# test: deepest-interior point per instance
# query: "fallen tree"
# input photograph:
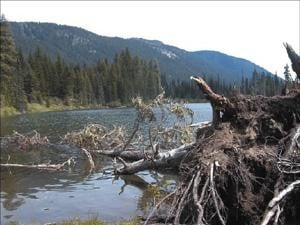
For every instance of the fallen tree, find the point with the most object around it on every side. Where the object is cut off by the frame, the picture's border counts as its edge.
(244, 160)
(243, 168)
(234, 167)
(237, 164)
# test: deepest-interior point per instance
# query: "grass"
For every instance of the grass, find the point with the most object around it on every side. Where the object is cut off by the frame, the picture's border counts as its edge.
(92, 221)
(35, 107)
(8, 111)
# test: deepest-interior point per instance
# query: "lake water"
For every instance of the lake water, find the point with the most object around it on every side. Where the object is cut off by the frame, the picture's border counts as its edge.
(32, 196)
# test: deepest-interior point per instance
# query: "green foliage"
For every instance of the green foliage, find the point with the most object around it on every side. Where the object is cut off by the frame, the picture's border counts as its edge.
(38, 79)
(10, 74)
(260, 83)
(8, 111)
(287, 75)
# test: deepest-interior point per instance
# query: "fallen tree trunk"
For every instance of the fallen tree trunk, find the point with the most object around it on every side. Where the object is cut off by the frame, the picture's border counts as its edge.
(162, 160)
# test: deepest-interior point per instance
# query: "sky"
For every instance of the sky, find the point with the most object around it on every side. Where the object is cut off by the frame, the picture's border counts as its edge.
(254, 30)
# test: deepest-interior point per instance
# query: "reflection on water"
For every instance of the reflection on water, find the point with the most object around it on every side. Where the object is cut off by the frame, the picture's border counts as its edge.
(40, 196)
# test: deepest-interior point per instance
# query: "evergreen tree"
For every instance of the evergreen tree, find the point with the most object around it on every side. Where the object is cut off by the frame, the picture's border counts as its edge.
(8, 64)
(287, 75)
(21, 78)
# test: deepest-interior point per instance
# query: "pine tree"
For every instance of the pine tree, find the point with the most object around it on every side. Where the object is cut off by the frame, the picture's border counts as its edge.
(8, 64)
(22, 78)
(287, 75)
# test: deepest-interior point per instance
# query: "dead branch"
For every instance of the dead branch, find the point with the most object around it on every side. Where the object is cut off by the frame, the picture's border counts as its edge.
(28, 141)
(294, 57)
(201, 124)
(90, 159)
(272, 206)
(211, 96)
(43, 166)
(96, 136)
(136, 128)
(220, 104)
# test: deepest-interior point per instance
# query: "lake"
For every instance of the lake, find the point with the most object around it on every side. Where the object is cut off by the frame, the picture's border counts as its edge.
(32, 196)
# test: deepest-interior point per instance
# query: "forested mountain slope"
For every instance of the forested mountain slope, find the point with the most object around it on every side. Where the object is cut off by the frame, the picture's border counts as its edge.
(77, 45)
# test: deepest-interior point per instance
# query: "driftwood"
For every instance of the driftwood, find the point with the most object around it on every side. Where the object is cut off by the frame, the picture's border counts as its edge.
(43, 166)
(163, 160)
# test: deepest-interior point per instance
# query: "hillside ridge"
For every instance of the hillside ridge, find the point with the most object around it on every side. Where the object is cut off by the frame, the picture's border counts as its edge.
(78, 45)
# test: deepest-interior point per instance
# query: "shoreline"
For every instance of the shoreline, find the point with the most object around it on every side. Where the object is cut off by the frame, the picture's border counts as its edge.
(9, 111)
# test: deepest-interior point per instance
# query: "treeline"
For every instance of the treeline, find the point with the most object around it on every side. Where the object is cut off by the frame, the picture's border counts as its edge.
(105, 82)
(40, 79)
(258, 84)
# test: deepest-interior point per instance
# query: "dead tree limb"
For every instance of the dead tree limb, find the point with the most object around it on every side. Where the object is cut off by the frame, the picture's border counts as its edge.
(294, 57)
(220, 104)
(210, 95)
(90, 159)
(43, 166)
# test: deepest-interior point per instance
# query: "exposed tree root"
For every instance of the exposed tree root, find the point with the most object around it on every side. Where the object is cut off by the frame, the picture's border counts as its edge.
(273, 206)
(255, 145)
(240, 162)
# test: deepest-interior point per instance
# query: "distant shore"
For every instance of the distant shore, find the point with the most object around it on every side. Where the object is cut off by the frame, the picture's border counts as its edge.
(36, 107)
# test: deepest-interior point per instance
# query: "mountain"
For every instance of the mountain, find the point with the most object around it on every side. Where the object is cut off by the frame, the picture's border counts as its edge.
(77, 45)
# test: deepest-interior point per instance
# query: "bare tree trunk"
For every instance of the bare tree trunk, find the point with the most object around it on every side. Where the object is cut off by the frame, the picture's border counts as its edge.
(163, 160)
